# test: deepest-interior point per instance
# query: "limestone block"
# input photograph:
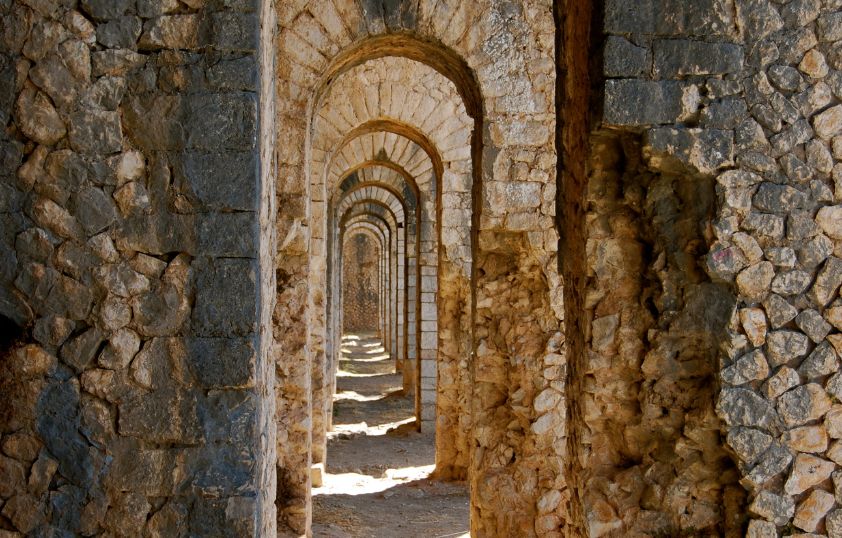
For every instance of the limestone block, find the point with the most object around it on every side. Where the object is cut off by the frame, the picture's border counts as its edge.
(748, 443)
(679, 57)
(638, 102)
(742, 407)
(704, 150)
(812, 509)
(225, 291)
(812, 439)
(171, 32)
(750, 367)
(121, 32)
(38, 118)
(783, 380)
(624, 59)
(803, 404)
(753, 282)
(828, 123)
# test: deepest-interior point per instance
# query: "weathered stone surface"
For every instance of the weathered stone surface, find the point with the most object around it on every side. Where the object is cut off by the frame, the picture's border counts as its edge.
(780, 312)
(637, 102)
(783, 380)
(624, 59)
(94, 210)
(162, 416)
(784, 346)
(771, 463)
(96, 132)
(803, 404)
(119, 33)
(38, 118)
(808, 439)
(829, 218)
(171, 32)
(222, 362)
(750, 367)
(704, 150)
(754, 281)
(741, 407)
(775, 508)
(807, 471)
(791, 282)
(80, 351)
(812, 509)
(761, 529)
(748, 443)
(821, 362)
(828, 123)
(223, 301)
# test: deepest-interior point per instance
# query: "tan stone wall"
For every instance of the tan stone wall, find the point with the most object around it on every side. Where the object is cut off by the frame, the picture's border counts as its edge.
(361, 285)
(500, 60)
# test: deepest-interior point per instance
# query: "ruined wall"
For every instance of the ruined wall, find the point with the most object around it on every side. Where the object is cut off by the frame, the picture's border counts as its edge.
(361, 285)
(714, 133)
(136, 400)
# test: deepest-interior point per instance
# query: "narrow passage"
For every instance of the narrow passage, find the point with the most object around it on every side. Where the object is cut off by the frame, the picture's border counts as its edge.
(376, 483)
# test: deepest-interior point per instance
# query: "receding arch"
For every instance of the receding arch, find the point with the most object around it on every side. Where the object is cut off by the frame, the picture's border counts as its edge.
(434, 54)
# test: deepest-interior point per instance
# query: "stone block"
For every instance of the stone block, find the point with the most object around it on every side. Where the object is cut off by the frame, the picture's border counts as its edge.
(623, 58)
(119, 33)
(642, 102)
(680, 57)
(220, 181)
(226, 290)
(222, 362)
(171, 32)
(168, 415)
(669, 17)
(228, 234)
(96, 132)
(234, 74)
(222, 121)
(233, 31)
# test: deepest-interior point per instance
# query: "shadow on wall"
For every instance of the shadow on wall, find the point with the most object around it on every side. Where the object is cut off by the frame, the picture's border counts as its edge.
(655, 324)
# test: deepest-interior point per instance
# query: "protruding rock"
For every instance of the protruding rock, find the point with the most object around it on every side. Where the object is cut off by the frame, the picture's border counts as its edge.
(803, 404)
(812, 509)
(807, 471)
(775, 508)
(783, 380)
(38, 118)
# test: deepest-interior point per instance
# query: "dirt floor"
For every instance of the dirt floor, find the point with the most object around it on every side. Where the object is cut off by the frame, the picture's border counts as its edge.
(377, 464)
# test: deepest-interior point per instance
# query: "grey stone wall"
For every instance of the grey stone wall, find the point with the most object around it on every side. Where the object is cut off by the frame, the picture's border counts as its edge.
(129, 198)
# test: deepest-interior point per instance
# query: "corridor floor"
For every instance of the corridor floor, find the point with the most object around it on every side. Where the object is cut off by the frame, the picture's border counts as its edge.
(376, 481)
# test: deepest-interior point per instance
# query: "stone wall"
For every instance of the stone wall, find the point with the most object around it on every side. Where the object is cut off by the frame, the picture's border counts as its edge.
(499, 58)
(361, 285)
(130, 184)
(708, 221)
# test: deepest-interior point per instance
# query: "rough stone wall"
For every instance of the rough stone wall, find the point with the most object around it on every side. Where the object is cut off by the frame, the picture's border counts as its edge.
(651, 450)
(361, 284)
(137, 399)
(737, 100)
(499, 56)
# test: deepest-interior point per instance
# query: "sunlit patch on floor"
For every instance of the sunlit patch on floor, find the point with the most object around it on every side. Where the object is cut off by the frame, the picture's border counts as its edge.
(377, 478)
